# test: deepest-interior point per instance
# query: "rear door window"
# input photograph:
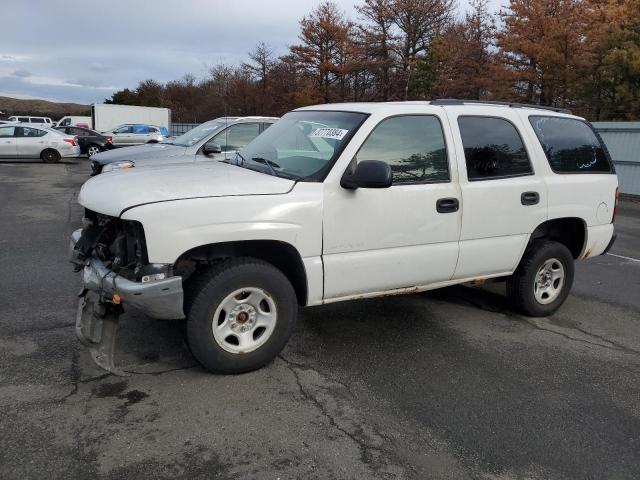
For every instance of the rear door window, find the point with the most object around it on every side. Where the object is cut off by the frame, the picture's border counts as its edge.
(493, 148)
(140, 129)
(30, 132)
(571, 146)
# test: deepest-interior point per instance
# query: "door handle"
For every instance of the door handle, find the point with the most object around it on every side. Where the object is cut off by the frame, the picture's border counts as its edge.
(447, 205)
(530, 198)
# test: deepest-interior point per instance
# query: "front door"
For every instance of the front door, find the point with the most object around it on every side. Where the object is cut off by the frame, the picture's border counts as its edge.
(8, 147)
(504, 200)
(122, 136)
(405, 236)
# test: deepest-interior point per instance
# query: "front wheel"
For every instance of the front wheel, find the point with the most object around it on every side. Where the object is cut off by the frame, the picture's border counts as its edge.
(543, 280)
(240, 315)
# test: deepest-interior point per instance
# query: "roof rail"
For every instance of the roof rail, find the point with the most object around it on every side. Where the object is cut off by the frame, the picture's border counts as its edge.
(456, 101)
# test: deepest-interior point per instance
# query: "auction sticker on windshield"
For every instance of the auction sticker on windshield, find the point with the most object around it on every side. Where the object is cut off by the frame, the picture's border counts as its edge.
(335, 133)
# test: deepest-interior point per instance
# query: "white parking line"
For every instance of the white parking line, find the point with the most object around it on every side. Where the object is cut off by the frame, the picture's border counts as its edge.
(623, 257)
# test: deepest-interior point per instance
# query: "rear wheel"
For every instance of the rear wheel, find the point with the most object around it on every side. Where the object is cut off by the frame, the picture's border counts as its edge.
(92, 150)
(543, 280)
(240, 315)
(50, 156)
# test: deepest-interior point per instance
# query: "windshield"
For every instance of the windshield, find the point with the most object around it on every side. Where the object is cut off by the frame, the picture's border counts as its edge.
(197, 134)
(302, 144)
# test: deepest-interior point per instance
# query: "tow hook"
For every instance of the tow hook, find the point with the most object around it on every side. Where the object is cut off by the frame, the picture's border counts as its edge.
(96, 327)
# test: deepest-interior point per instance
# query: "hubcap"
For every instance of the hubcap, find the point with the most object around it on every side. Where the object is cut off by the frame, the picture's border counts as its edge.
(549, 281)
(92, 151)
(244, 320)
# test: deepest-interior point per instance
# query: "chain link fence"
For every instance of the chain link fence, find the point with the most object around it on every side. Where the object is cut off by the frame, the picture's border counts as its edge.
(180, 128)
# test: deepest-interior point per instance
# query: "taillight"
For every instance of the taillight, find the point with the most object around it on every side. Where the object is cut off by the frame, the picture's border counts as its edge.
(109, 139)
(615, 206)
(72, 141)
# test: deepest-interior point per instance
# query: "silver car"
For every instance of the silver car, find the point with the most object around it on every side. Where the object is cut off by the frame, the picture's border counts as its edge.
(22, 141)
(217, 139)
(136, 134)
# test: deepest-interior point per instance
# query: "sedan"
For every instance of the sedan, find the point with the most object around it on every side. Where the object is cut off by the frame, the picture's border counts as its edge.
(90, 141)
(20, 141)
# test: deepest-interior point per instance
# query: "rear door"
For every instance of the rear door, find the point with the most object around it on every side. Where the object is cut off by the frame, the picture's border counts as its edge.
(8, 147)
(80, 134)
(30, 141)
(503, 199)
(139, 135)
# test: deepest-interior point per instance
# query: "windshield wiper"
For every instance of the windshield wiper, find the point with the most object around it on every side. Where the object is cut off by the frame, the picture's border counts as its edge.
(240, 164)
(268, 163)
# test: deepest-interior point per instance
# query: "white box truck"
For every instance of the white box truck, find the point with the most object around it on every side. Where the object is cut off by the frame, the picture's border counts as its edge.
(105, 116)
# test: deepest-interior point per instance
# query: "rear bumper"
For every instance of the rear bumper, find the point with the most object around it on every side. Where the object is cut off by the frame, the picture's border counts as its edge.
(74, 152)
(162, 299)
(611, 242)
(600, 238)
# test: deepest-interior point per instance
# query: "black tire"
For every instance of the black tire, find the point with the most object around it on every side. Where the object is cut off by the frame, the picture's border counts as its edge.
(50, 156)
(521, 286)
(207, 292)
(93, 149)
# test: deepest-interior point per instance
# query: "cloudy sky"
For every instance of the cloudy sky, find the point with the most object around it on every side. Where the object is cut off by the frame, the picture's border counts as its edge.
(81, 51)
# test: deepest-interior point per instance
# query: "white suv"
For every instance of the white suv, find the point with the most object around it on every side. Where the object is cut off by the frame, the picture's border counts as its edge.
(340, 202)
(35, 121)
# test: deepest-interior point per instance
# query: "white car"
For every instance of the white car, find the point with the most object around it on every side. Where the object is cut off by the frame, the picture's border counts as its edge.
(35, 121)
(24, 141)
(342, 202)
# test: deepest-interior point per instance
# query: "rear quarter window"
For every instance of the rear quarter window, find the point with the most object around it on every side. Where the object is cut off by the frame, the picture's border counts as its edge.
(571, 145)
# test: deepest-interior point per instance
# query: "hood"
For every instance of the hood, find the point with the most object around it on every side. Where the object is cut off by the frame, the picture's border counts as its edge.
(111, 193)
(139, 152)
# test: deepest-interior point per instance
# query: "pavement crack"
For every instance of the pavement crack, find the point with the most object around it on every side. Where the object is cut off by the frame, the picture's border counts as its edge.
(365, 448)
(603, 343)
(537, 324)
(162, 372)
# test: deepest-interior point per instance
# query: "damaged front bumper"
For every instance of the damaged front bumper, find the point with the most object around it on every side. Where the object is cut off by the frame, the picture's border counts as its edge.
(162, 299)
(105, 294)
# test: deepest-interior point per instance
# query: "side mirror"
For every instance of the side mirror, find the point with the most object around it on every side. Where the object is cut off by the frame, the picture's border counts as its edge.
(368, 174)
(211, 148)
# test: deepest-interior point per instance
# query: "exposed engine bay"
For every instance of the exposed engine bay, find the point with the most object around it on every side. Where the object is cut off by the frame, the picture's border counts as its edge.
(120, 244)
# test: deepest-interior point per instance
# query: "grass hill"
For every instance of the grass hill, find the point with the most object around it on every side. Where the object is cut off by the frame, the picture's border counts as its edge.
(16, 106)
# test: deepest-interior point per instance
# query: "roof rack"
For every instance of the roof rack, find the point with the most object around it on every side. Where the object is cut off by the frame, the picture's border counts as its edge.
(456, 101)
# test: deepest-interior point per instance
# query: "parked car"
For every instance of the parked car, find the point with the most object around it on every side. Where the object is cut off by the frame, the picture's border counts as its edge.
(106, 116)
(136, 134)
(22, 141)
(35, 121)
(71, 121)
(90, 141)
(217, 139)
(385, 198)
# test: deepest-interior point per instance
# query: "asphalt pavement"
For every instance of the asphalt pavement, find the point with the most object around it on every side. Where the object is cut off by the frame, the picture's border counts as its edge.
(449, 384)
